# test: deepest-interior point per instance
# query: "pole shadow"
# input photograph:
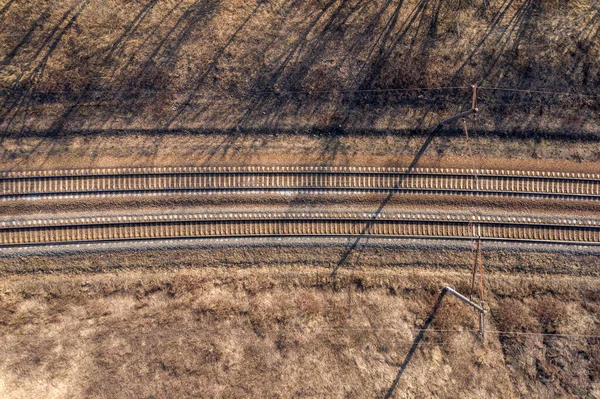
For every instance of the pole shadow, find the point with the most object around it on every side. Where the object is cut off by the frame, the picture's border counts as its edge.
(415, 345)
(365, 231)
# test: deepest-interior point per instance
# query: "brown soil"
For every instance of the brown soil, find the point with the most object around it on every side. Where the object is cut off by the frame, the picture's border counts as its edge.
(264, 149)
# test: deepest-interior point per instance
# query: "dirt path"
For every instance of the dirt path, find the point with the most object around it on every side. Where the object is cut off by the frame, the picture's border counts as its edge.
(296, 149)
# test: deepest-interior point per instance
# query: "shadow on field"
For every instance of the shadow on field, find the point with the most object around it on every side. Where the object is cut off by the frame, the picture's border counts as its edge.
(415, 345)
(131, 73)
(39, 60)
(502, 32)
(329, 64)
(301, 79)
(135, 72)
(5, 8)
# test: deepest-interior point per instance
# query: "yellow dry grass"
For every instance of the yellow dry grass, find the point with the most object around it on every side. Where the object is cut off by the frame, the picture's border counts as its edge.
(292, 332)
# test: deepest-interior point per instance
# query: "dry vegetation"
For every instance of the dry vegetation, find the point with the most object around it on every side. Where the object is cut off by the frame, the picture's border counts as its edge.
(119, 149)
(367, 255)
(293, 332)
(171, 82)
(85, 66)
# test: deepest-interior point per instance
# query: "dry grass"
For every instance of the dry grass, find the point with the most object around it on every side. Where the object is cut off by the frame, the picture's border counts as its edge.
(139, 148)
(209, 64)
(272, 323)
(287, 332)
(321, 257)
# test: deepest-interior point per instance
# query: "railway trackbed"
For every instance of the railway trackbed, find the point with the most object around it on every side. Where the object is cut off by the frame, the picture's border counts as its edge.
(83, 183)
(307, 224)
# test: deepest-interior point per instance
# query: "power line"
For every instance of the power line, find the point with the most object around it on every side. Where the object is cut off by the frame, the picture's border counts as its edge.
(419, 330)
(501, 332)
(528, 91)
(7, 91)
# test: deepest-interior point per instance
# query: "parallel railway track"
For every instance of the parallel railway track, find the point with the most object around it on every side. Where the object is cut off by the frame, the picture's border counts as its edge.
(197, 180)
(241, 225)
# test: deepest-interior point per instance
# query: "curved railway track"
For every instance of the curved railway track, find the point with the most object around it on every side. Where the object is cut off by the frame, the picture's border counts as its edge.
(198, 180)
(227, 225)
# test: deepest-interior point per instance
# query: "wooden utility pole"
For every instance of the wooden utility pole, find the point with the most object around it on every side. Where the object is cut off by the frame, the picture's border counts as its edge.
(475, 262)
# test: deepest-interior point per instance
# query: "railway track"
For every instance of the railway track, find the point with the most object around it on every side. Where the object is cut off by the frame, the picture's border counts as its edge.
(226, 225)
(209, 180)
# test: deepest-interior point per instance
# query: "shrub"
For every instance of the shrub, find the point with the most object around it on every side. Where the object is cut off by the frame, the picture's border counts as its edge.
(550, 313)
(513, 315)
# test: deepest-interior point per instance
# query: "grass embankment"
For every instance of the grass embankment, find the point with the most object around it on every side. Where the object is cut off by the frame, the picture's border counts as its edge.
(324, 256)
(293, 332)
(88, 66)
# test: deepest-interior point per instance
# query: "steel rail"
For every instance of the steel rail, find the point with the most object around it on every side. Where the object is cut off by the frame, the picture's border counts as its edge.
(244, 225)
(152, 181)
(312, 190)
(286, 169)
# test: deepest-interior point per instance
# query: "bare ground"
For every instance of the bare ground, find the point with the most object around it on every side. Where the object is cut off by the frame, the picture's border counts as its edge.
(365, 254)
(129, 149)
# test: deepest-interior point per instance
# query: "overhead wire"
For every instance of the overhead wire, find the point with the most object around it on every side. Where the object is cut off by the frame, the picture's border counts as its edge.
(529, 91)
(274, 92)
(501, 332)
(7, 91)
(417, 330)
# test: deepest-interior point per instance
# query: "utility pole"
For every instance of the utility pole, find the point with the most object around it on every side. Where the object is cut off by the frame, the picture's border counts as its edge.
(480, 309)
(472, 111)
(478, 261)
